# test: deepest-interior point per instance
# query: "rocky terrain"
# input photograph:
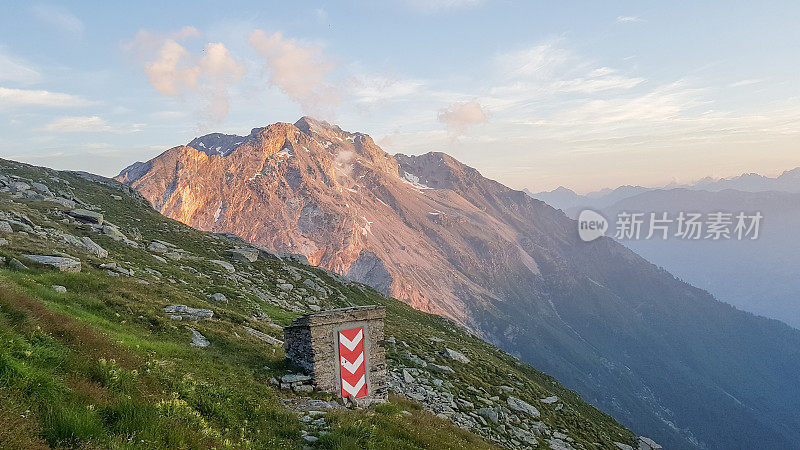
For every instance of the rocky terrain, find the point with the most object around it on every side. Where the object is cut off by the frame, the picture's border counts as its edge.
(659, 355)
(122, 328)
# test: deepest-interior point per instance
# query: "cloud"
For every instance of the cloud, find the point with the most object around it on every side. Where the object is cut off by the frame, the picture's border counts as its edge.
(26, 97)
(434, 6)
(547, 74)
(59, 18)
(88, 124)
(77, 124)
(175, 72)
(220, 70)
(537, 62)
(459, 117)
(380, 89)
(172, 72)
(300, 71)
(744, 83)
(628, 19)
(16, 70)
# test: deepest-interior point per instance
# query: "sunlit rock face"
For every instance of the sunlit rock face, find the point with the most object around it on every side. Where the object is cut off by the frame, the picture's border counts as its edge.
(419, 228)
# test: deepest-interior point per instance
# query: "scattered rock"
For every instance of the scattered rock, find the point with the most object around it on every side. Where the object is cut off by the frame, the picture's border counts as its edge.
(113, 232)
(295, 378)
(157, 247)
(93, 248)
(646, 443)
(59, 263)
(622, 446)
(522, 406)
(438, 368)
(247, 255)
(19, 186)
(218, 297)
(17, 265)
(225, 265)
(42, 189)
(455, 355)
(435, 339)
(86, 216)
(59, 289)
(264, 337)
(489, 414)
(183, 312)
(3, 242)
(286, 287)
(66, 203)
(198, 340)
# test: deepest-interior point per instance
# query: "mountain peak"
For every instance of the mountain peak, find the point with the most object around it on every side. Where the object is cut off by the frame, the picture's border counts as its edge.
(310, 125)
(218, 143)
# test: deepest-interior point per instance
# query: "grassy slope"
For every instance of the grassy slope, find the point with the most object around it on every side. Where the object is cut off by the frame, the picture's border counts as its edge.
(102, 366)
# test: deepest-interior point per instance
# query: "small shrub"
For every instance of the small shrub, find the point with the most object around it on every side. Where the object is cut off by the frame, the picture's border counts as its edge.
(70, 425)
(114, 377)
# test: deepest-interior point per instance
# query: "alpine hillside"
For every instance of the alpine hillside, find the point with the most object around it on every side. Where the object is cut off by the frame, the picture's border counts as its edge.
(664, 358)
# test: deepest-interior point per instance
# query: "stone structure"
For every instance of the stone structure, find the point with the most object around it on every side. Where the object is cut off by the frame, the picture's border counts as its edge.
(327, 344)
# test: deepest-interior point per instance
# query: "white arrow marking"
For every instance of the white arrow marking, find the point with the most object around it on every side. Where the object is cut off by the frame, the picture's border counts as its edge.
(351, 345)
(353, 390)
(353, 366)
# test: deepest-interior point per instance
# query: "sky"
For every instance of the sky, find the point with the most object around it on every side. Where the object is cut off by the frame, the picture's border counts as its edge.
(533, 94)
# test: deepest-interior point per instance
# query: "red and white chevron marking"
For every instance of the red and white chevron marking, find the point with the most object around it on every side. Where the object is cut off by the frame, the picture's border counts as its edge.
(351, 359)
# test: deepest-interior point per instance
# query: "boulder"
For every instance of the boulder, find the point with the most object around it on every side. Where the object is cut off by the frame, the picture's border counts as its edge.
(455, 355)
(66, 203)
(198, 340)
(225, 265)
(549, 400)
(113, 232)
(42, 189)
(443, 369)
(17, 265)
(646, 443)
(183, 312)
(247, 255)
(522, 406)
(5, 227)
(489, 414)
(93, 248)
(86, 216)
(264, 337)
(19, 186)
(57, 262)
(59, 289)
(3, 242)
(218, 297)
(157, 247)
(295, 378)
